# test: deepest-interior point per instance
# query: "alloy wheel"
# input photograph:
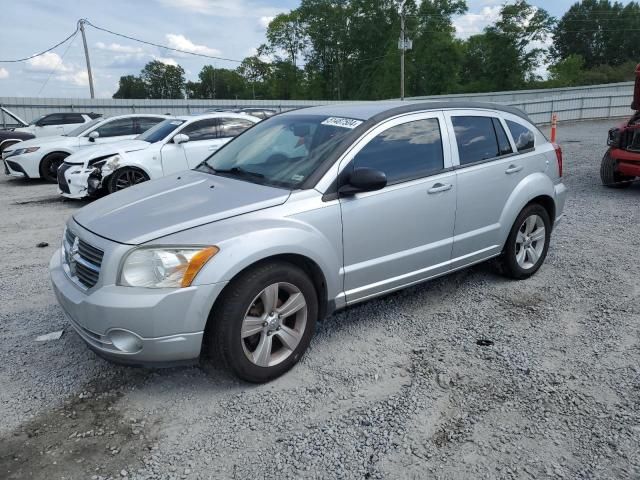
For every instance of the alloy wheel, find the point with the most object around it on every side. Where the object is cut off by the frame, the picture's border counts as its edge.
(274, 324)
(530, 241)
(128, 178)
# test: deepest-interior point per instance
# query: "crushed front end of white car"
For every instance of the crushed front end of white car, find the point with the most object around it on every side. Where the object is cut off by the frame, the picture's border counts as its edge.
(84, 174)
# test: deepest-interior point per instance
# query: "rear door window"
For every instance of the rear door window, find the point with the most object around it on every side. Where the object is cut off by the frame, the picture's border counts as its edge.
(202, 130)
(232, 127)
(479, 138)
(504, 145)
(524, 138)
(405, 152)
(145, 123)
(73, 118)
(116, 128)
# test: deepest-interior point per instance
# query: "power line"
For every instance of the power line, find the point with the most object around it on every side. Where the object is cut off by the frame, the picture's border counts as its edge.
(41, 53)
(161, 46)
(57, 64)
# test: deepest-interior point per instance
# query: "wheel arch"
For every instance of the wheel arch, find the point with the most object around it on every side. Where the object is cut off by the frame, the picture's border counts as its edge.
(536, 188)
(8, 142)
(306, 264)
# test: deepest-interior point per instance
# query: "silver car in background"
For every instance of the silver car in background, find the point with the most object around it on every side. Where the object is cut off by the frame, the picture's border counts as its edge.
(306, 213)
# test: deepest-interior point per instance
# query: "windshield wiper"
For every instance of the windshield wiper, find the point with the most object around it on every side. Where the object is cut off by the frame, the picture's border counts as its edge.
(209, 167)
(238, 171)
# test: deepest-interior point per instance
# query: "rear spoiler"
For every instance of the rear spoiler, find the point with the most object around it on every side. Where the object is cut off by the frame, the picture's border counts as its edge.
(636, 91)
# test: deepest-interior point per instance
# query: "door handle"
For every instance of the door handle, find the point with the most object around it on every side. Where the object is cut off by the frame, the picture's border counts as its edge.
(513, 169)
(211, 149)
(439, 187)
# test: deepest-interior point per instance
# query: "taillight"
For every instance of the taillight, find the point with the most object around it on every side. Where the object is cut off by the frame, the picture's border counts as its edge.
(558, 150)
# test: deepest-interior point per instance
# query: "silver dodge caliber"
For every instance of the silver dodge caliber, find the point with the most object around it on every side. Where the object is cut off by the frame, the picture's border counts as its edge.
(304, 214)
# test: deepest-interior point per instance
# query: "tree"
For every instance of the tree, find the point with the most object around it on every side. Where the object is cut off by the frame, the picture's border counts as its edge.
(162, 80)
(131, 86)
(286, 32)
(255, 72)
(437, 54)
(567, 72)
(601, 32)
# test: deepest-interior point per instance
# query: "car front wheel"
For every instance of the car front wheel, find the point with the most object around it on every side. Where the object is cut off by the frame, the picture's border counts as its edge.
(264, 321)
(49, 166)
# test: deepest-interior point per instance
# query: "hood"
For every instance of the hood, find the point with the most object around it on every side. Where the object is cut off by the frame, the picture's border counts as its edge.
(124, 146)
(15, 117)
(45, 142)
(171, 204)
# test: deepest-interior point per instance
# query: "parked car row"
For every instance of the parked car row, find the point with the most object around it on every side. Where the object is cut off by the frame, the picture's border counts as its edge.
(108, 154)
(303, 214)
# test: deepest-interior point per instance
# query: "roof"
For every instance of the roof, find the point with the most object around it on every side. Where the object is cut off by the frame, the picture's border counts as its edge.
(213, 115)
(385, 109)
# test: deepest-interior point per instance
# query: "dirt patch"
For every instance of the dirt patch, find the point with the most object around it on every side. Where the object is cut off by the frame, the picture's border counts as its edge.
(88, 435)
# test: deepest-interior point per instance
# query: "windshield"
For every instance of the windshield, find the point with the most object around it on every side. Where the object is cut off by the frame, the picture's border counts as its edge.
(160, 131)
(76, 132)
(282, 151)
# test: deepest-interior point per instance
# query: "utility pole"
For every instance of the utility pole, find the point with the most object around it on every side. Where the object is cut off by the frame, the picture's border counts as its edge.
(402, 48)
(86, 55)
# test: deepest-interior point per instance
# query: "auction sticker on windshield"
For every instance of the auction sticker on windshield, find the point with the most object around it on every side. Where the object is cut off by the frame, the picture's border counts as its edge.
(342, 122)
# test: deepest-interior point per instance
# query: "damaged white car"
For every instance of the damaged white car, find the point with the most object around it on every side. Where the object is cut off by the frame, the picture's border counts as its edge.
(176, 144)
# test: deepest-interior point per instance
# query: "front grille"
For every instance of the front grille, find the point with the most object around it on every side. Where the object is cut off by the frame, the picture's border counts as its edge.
(83, 261)
(62, 181)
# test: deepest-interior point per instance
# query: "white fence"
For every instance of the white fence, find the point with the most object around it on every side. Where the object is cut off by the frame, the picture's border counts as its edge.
(579, 103)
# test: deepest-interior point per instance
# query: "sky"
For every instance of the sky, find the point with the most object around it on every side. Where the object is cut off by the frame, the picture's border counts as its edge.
(225, 28)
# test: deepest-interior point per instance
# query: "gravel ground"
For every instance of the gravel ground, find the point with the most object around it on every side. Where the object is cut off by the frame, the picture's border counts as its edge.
(469, 376)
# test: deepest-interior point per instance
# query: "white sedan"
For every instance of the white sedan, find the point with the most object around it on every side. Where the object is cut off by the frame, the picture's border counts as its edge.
(41, 157)
(178, 143)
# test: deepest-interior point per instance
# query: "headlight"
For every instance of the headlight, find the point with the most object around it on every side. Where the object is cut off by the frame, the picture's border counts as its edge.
(107, 165)
(164, 267)
(22, 151)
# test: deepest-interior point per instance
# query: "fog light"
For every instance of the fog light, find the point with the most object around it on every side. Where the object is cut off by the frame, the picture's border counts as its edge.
(125, 341)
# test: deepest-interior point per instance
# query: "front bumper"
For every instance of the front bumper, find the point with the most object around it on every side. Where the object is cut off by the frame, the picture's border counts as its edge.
(27, 165)
(73, 181)
(134, 325)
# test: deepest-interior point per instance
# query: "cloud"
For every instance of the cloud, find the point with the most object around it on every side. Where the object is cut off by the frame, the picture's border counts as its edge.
(117, 48)
(473, 23)
(47, 62)
(4, 73)
(181, 42)
(266, 20)
(78, 77)
(166, 60)
(222, 8)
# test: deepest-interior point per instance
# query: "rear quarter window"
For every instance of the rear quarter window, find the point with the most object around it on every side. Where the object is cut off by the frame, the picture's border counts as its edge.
(524, 138)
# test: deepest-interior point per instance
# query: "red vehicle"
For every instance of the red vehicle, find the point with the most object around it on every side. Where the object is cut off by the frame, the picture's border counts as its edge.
(621, 164)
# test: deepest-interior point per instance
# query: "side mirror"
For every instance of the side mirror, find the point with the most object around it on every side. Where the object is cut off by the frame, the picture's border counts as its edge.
(93, 135)
(180, 138)
(363, 180)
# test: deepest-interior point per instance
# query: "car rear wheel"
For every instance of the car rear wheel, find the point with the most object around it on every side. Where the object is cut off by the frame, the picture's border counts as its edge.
(263, 323)
(125, 178)
(49, 166)
(609, 176)
(528, 242)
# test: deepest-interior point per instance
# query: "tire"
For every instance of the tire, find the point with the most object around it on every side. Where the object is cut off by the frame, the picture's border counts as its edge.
(523, 256)
(239, 328)
(49, 166)
(124, 178)
(610, 178)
